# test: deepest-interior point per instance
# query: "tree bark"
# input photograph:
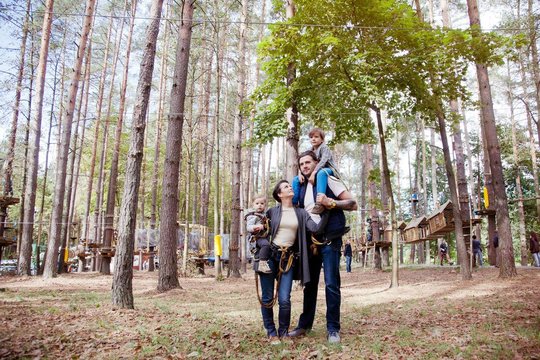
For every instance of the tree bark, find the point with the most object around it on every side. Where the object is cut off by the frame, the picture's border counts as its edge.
(235, 240)
(50, 269)
(168, 235)
(113, 178)
(291, 167)
(460, 243)
(521, 211)
(10, 155)
(507, 266)
(97, 125)
(25, 253)
(390, 195)
(122, 285)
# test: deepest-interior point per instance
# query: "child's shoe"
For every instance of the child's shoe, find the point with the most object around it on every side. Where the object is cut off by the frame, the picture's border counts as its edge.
(263, 267)
(318, 208)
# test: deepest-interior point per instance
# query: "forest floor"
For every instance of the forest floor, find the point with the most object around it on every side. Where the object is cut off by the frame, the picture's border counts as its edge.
(433, 314)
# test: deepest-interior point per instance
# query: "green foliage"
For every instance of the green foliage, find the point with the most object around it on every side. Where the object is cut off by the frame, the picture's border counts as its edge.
(359, 54)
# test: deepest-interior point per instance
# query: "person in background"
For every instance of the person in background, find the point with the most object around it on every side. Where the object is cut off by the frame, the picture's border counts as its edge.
(496, 247)
(534, 247)
(477, 250)
(347, 252)
(443, 252)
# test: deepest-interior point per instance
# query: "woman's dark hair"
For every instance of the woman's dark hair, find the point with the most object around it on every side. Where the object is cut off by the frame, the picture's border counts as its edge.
(534, 236)
(277, 190)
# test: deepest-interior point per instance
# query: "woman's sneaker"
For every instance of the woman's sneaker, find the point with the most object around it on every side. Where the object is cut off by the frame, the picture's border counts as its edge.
(263, 267)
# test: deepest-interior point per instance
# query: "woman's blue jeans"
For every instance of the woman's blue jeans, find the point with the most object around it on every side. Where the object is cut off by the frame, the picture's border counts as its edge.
(284, 298)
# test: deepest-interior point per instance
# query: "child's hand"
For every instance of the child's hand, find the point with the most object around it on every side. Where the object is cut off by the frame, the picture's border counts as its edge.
(258, 228)
(312, 178)
(301, 178)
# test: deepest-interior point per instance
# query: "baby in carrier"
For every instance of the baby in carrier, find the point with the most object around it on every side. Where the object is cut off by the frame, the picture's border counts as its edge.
(257, 227)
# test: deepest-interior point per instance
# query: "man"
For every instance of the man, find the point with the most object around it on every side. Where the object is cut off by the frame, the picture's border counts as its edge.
(477, 250)
(496, 247)
(347, 252)
(326, 249)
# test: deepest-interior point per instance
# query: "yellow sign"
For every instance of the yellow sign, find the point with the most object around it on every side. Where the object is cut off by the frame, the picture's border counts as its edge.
(217, 245)
(486, 197)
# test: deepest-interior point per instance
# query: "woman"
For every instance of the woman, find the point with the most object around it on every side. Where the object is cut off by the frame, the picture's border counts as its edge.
(288, 227)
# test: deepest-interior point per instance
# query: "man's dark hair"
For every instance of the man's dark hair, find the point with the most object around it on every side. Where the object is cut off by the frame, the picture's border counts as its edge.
(277, 190)
(474, 237)
(307, 153)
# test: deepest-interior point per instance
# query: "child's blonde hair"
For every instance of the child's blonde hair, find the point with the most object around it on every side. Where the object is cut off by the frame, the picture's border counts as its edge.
(259, 196)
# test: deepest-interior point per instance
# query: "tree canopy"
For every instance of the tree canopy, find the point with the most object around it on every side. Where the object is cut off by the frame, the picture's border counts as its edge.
(351, 55)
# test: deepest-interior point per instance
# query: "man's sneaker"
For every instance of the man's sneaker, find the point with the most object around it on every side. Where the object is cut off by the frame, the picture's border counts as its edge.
(297, 332)
(318, 208)
(333, 337)
(263, 267)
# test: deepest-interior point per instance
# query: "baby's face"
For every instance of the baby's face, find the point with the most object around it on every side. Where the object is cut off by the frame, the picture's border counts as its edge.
(259, 204)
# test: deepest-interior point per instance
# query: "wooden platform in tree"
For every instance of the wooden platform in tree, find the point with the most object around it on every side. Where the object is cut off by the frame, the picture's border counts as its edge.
(6, 242)
(107, 252)
(484, 212)
(6, 201)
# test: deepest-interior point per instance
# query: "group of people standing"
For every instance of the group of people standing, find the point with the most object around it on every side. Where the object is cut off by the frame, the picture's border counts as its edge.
(303, 235)
(534, 248)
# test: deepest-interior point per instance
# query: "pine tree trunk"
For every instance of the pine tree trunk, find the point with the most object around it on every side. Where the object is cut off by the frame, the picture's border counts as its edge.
(66, 222)
(208, 143)
(122, 285)
(97, 126)
(507, 266)
(10, 155)
(113, 178)
(235, 241)
(168, 276)
(521, 212)
(60, 181)
(99, 212)
(291, 154)
(532, 18)
(86, 91)
(25, 253)
(460, 243)
(390, 195)
(532, 143)
(46, 172)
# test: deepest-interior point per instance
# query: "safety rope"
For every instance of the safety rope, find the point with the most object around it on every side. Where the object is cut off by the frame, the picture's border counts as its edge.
(290, 259)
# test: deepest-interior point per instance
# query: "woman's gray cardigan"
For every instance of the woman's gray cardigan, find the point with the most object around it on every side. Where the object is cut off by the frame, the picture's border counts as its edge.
(304, 223)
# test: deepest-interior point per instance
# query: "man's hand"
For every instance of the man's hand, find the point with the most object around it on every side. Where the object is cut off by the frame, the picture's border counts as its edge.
(346, 204)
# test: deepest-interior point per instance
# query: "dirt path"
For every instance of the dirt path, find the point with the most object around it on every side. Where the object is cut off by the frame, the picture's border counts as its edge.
(432, 314)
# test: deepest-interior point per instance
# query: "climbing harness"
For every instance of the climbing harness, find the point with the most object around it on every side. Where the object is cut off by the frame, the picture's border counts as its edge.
(285, 257)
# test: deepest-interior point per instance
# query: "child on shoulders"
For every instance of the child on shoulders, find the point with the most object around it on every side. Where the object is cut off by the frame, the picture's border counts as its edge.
(324, 168)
